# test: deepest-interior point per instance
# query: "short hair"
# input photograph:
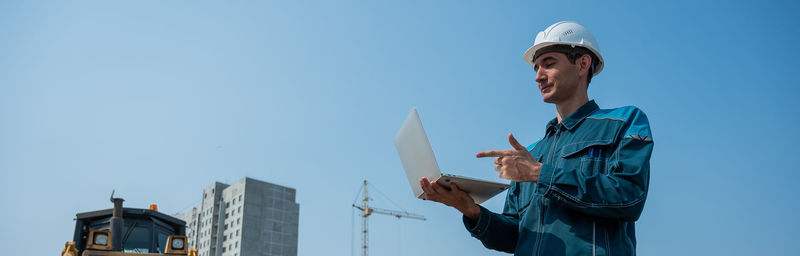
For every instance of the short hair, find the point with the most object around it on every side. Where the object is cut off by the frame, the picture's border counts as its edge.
(573, 53)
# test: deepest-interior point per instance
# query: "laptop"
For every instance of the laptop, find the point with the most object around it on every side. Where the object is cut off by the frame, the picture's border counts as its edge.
(418, 160)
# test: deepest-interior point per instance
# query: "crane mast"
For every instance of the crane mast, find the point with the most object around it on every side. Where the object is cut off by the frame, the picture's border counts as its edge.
(366, 211)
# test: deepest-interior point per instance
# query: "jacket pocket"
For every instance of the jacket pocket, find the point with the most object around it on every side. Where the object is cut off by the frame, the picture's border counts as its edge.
(592, 166)
(588, 157)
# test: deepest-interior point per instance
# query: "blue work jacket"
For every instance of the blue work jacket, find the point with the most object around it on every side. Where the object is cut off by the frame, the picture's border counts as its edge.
(592, 187)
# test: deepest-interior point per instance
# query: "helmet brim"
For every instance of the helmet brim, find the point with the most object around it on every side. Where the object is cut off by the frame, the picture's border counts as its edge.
(532, 52)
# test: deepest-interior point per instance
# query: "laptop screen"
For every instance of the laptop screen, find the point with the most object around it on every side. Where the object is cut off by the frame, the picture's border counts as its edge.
(416, 153)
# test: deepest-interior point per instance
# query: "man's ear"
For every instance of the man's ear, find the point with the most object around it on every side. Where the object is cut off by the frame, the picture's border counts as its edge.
(584, 64)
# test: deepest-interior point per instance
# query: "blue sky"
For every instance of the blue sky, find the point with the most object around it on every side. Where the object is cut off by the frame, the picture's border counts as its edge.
(158, 99)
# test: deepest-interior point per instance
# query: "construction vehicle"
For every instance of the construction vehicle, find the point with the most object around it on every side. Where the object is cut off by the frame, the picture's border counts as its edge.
(127, 232)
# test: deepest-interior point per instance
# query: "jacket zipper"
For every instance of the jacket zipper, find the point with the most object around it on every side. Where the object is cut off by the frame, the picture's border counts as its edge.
(555, 142)
(594, 238)
(541, 223)
(541, 202)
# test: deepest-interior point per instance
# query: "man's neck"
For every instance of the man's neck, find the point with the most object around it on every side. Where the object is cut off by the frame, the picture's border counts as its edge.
(567, 107)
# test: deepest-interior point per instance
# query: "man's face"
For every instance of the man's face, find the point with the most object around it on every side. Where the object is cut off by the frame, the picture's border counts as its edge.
(556, 76)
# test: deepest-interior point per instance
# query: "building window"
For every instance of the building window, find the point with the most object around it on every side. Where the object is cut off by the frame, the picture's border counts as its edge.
(240, 197)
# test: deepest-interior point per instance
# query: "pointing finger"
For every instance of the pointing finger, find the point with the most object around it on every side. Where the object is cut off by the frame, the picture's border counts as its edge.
(495, 153)
(515, 143)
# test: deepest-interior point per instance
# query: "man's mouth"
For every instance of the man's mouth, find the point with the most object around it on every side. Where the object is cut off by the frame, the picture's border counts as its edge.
(545, 88)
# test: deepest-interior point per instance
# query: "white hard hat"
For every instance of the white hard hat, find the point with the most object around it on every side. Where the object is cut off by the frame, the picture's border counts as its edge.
(567, 33)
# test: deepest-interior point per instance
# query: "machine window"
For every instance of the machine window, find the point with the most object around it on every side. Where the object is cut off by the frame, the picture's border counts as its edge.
(162, 242)
(138, 240)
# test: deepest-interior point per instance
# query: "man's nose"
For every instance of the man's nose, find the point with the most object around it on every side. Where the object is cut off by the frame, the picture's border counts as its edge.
(540, 77)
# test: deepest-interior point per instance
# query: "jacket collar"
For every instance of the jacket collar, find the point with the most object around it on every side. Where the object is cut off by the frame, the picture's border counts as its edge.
(575, 118)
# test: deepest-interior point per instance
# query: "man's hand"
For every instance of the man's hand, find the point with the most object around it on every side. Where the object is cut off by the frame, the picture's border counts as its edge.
(514, 164)
(452, 197)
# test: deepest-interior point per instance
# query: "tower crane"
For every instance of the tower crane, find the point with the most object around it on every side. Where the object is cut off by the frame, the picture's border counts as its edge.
(366, 211)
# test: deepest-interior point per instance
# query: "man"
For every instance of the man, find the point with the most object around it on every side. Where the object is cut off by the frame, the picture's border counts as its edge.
(578, 190)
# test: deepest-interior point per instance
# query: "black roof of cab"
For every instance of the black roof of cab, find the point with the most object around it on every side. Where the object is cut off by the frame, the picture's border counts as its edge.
(99, 214)
(157, 224)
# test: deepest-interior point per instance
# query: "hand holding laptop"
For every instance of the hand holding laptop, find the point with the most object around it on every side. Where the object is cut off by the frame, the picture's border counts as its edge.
(514, 164)
(419, 162)
(451, 196)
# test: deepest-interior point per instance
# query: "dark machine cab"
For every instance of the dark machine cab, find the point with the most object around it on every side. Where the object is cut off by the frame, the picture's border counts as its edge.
(127, 231)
